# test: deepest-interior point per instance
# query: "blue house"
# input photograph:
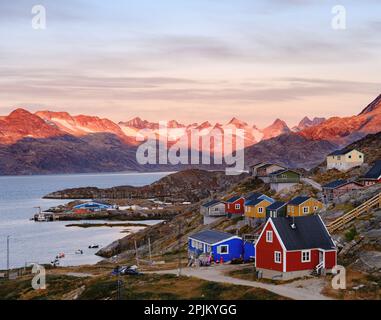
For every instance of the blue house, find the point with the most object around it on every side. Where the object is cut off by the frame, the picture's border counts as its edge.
(219, 245)
(94, 206)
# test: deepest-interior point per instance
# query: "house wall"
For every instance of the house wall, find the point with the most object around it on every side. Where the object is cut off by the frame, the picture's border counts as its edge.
(294, 261)
(216, 210)
(230, 207)
(345, 162)
(296, 211)
(330, 259)
(235, 250)
(276, 213)
(345, 189)
(253, 211)
(263, 172)
(265, 251)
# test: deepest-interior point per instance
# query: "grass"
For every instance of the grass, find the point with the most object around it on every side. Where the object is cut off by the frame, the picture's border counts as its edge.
(351, 234)
(148, 286)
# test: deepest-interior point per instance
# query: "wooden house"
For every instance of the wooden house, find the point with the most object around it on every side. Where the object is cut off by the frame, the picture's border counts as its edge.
(290, 248)
(283, 179)
(277, 209)
(338, 188)
(254, 168)
(264, 171)
(302, 206)
(344, 160)
(256, 208)
(373, 176)
(235, 206)
(212, 210)
(220, 246)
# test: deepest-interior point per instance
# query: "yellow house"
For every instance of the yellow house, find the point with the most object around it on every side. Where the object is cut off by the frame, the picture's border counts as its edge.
(257, 208)
(302, 206)
(345, 159)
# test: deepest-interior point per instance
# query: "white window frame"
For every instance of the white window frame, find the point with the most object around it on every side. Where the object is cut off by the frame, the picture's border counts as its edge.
(225, 246)
(238, 206)
(316, 208)
(277, 254)
(309, 256)
(260, 210)
(269, 236)
(304, 211)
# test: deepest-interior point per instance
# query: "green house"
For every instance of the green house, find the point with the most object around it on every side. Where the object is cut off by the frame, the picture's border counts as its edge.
(285, 176)
(277, 209)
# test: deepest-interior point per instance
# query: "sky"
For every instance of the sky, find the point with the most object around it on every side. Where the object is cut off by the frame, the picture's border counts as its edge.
(191, 60)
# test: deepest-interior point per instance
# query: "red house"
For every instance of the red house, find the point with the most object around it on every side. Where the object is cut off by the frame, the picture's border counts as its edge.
(290, 248)
(373, 176)
(235, 206)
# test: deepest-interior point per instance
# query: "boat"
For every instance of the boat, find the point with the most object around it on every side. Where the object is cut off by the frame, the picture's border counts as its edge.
(94, 246)
(79, 251)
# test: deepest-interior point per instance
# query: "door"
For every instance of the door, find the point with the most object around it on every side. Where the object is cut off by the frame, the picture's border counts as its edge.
(321, 258)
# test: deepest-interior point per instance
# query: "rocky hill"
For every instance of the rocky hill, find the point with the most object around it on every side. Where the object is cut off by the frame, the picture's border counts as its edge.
(190, 185)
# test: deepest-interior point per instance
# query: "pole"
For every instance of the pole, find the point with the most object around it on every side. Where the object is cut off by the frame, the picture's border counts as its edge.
(136, 252)
(179, 251)
(9, 274)
(149, 248)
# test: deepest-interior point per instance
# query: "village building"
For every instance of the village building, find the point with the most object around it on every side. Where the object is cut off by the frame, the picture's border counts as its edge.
(235, 206)
(255, 208)
(289, 248)
(338, 188)
(283, 179)
(263, 172)
(212, 211)
(373, 176)
(277, 209)
(344, 160)
(92, 206)
(220, 246)
(254, 168)
(303, 206)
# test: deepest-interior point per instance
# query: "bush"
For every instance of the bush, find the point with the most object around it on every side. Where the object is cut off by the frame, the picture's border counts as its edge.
(351, 234)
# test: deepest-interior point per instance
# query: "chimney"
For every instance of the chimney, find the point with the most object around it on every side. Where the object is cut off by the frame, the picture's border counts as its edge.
(293, 225)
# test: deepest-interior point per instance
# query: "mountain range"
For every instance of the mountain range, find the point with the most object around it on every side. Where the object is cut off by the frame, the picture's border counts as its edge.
(57, 142)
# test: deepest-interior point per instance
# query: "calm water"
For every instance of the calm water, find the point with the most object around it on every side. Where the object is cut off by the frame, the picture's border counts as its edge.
(41, 242)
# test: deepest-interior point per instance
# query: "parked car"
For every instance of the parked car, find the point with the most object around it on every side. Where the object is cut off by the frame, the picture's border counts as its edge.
(126, 270)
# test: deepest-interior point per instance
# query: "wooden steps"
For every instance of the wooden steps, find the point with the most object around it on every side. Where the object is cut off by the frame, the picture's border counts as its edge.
(366, 207)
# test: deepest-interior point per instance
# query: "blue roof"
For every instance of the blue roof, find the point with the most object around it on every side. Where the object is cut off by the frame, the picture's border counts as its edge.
(298, 200)
(93, 205)
(211, 236)
(374, 172)
(276, 205)
(211, 203)
(335, 184)
(233, 199)
(253, 202)
(340, 152)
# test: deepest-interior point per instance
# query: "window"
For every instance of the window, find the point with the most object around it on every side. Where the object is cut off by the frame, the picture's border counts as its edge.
(269, 236)
(338, 157)
(208, 249)
(216, 209)
(277, 257)
(360, 156)
(316, 208)
(306, 256)
(306, 210)
(237, 206)
(260, 210)
(224, 249)
(193, 244)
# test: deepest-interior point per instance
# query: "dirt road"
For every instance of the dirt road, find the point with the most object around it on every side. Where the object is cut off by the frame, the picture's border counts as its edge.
(300, 290)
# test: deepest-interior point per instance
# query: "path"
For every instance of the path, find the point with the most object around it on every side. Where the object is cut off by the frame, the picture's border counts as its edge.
(312, 183)
(291, 290)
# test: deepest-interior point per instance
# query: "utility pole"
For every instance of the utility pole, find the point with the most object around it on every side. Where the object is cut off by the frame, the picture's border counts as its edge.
(8, 237)
(149, 249)
(179, 250)
(136, 252)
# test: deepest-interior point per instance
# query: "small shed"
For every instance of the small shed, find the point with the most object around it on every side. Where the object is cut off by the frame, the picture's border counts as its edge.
(338, 188)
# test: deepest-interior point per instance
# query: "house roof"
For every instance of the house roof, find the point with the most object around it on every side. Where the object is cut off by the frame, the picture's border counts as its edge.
(254, 202)
(211, 203)
(341, 152)
(310, 232)
(335, 184)
(374, 172)
(253, 196)
(276, 205)
(233, 199)
(258, 164)
(282, 171)
(298, 200)
(211, 236)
